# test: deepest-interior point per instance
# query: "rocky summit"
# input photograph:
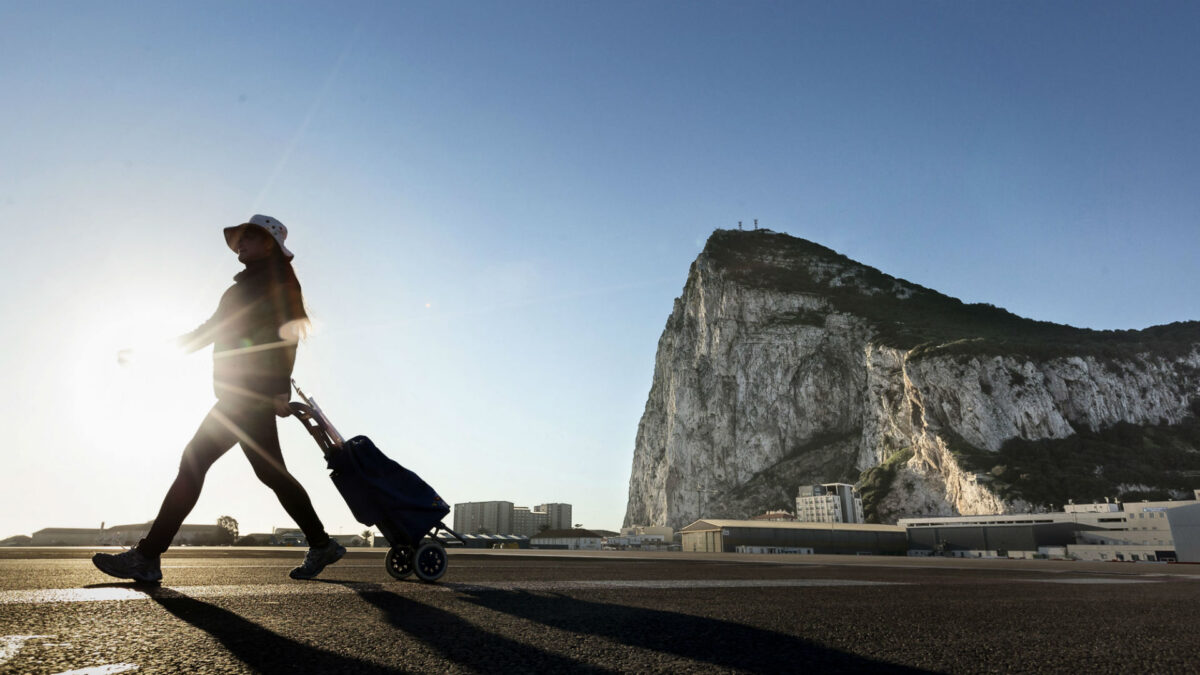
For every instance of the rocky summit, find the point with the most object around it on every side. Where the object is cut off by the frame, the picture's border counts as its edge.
(785, 363)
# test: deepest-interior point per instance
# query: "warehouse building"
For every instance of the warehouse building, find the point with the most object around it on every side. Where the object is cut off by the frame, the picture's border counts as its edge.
(128, 535)
(993, 536)
(1134, 531)
(727, 536)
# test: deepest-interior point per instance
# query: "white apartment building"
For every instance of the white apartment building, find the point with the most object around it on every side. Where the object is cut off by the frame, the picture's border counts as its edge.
(829, 503)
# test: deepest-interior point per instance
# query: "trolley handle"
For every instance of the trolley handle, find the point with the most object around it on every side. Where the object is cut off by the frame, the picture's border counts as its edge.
(311, 410)
(313, 426)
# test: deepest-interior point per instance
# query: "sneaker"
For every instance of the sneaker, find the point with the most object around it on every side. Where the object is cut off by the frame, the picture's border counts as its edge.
(317, 558)
(130, 564)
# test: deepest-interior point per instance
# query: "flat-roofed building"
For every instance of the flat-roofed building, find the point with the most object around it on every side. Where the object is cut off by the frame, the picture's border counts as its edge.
(483, 517)
(527, 522)
(829, 503)
(725, 536)
(558, 516)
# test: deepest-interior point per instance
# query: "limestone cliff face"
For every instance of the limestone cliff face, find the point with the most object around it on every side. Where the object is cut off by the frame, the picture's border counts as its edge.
(785, 364)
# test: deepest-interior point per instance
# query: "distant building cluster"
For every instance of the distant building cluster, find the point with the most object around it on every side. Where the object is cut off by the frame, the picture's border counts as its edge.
(1133, 532)
(188, 535)
(500, 517)
(294, 536)
(828, 520)
(129, 535)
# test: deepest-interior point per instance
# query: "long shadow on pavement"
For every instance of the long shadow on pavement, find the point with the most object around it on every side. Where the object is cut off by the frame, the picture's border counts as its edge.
(721, 643)
(459, 640)
(260, 649)
(724, 644)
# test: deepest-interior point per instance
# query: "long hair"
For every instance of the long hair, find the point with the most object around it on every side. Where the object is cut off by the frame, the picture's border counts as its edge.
(289, 298)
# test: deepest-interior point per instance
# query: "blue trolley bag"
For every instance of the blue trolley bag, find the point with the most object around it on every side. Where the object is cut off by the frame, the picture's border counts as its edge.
(383, 494)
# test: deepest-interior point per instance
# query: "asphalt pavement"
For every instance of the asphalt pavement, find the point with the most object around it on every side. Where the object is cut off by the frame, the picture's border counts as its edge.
(234, 610)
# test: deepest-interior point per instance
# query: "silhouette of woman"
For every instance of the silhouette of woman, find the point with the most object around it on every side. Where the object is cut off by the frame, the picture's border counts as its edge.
(254, 333)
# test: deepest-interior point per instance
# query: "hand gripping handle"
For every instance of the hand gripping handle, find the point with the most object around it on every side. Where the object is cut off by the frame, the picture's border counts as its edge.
(314, 419)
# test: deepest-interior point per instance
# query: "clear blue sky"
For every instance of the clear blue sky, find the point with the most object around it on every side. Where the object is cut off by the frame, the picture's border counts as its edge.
(493, 206)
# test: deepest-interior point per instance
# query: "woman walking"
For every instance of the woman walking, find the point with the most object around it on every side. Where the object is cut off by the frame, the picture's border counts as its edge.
(254, 334)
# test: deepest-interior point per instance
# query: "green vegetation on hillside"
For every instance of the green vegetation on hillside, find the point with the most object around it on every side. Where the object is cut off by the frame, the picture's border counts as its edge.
(876, 483)
(1126, 461)
(1092, 465)
(926, 322)
(823, 459)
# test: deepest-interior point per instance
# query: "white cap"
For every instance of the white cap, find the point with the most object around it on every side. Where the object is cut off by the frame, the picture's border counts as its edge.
(273, 227)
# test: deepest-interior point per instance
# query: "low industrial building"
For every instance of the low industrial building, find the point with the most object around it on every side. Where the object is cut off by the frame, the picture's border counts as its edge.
(776, 516)
(1134, 531)
(726, 536)
(641, 538)
(67, 536)
(995, 535)
(573, 540)
(128, 535)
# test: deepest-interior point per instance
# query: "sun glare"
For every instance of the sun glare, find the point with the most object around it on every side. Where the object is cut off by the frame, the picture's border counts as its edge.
(126, 374)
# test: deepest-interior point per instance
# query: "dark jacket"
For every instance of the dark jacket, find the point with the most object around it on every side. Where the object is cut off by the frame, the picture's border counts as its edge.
(250, 360)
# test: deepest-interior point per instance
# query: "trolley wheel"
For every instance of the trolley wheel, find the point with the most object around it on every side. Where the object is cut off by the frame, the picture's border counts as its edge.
(430, 561)
(399, 561)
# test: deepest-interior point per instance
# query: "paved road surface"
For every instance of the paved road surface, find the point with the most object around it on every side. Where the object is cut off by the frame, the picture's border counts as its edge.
(235, 611)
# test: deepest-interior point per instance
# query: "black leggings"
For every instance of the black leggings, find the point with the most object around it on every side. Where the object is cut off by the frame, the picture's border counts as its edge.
(252, 425)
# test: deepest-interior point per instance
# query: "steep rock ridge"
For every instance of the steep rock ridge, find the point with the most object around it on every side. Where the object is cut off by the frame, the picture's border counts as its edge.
(784, 363)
